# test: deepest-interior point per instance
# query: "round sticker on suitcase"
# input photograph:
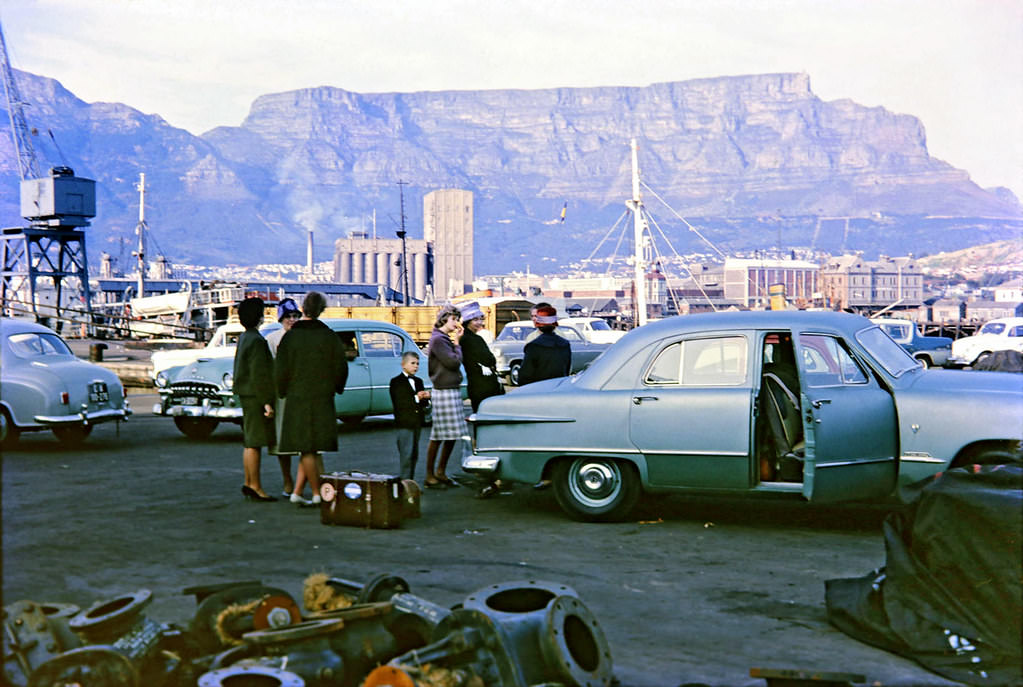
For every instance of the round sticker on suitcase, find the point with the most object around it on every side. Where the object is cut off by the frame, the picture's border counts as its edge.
(327, 491)
(353, 490)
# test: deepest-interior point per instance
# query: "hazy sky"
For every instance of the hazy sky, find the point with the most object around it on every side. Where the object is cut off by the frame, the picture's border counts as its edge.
(955, 64)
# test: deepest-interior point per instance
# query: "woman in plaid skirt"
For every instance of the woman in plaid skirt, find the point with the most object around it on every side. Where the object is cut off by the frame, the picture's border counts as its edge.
(445, 362)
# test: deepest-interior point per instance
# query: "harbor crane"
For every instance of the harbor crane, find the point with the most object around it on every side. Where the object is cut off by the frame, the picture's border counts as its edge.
(58, 208)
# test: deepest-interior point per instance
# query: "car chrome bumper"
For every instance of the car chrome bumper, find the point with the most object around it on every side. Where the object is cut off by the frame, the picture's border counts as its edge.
(480, 464)
(84, 417)
(218, 412)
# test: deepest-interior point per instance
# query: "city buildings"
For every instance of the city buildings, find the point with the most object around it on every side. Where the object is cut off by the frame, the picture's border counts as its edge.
(360, 259)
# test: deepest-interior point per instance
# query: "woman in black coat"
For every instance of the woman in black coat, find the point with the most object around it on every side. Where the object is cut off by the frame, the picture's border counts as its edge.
(253, 383)
(310, 368)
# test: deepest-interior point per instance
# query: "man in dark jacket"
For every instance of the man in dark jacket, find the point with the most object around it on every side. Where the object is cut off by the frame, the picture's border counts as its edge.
(547, 356)
(310, 368)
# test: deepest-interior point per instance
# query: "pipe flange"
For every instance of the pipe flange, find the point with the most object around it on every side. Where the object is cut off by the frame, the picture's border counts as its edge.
(509, 600)
(204, 625)
(573, 644)
(261, 675)
(104, 621)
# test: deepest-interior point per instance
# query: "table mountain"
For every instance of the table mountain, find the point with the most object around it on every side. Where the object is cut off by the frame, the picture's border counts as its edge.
(752, 159)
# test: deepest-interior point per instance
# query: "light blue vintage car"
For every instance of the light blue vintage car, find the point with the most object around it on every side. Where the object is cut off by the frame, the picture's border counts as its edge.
(198, 395)
(818, 405)
(44, 386)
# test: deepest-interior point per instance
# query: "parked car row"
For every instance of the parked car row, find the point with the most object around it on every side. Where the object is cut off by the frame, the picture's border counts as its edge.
(198, 395)
(1002, 334)
(509, 346)
(929, 351)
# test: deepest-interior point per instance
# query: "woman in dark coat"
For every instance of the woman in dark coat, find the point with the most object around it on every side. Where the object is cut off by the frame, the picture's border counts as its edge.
(253, 382)
(477, 358)
(310, 368)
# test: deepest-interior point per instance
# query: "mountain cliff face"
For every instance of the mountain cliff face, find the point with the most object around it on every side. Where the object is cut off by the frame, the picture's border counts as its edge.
(736, 151)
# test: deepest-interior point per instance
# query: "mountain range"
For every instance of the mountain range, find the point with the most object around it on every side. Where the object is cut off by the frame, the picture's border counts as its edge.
(751, 161)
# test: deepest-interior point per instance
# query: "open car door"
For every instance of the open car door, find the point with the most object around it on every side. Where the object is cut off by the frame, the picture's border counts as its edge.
(849, 425)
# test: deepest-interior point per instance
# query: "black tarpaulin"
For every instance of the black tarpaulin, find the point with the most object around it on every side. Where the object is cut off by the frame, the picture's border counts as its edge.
(949, 595)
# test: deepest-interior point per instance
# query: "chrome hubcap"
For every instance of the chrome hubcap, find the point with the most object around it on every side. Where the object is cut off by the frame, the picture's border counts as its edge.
(595, 483)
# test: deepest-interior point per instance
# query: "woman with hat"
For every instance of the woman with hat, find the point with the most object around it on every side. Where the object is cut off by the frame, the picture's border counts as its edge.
(480, 364)
(480, 370)
(287, 315)
(445, 361)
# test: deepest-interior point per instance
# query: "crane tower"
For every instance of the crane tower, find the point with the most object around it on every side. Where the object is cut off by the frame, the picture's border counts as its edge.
(58, 208)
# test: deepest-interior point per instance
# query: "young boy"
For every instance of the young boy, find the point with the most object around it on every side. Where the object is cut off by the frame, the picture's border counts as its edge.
(408, 398)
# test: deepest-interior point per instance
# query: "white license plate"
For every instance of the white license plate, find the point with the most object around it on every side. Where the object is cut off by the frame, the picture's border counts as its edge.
(98, 392)
(189, 400)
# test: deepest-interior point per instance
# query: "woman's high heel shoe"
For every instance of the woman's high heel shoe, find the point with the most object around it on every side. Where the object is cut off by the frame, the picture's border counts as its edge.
(251, 494)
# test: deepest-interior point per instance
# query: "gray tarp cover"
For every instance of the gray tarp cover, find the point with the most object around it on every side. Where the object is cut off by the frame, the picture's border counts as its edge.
(949, 596)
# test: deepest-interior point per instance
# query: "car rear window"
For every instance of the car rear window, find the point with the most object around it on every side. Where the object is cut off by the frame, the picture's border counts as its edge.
(32, 344)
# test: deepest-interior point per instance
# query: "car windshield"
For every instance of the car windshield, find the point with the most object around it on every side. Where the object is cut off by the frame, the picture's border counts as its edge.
(32, 344)
(890, 355)
(993, 328)
(600, 326)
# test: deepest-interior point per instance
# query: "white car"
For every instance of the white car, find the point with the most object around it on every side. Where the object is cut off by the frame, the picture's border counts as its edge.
(593, 329)
(1003, 334)
(44, 386)
(224, 341)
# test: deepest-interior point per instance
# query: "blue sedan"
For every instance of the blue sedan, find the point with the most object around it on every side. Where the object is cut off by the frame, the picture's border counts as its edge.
(818, 405)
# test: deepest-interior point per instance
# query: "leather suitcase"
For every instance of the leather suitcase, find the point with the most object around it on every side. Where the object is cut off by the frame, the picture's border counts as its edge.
(361, 499)
(410, 499)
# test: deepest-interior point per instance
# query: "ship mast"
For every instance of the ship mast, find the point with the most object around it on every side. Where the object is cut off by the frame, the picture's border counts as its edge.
(141, 231)
(639, 274)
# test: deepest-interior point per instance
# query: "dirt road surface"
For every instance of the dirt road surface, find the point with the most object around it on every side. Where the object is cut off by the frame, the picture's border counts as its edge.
(688, 591)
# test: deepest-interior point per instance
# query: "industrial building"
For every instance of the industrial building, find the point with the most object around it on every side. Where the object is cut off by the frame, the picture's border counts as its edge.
(360, 259)
(448, 226)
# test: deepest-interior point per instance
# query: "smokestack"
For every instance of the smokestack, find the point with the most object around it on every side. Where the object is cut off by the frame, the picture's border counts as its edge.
(309, 254)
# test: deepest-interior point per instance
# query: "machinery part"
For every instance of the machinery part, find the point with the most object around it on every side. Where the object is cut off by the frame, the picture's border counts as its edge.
(107, 621)
(95, 666)
(204, 625)
(413, 620)
(275, 611)
(308, 629)
(202, 591)
(195, 427)
(381, 588)
(596, 489)
(263, 676)
(472, 642)
(318, 600)
(33, 634)
(549, 633)
(394, 676)
(73, 435)
(388, 676)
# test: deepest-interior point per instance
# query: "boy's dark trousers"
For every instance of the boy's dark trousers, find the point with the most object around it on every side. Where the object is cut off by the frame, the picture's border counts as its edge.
(408, 451)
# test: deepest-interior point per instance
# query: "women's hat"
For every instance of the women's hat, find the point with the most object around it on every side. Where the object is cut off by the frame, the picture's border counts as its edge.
(285, 308)
(546, 315)
(471, 311)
